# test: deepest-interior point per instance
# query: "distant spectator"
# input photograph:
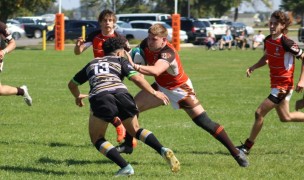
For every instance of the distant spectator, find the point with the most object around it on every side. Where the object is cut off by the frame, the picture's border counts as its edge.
(226, 40)
(210, 41)
(241, 40)
(257, 39)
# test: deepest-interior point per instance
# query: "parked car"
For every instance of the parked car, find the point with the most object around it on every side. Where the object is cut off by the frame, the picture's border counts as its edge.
(301, 34)
(142, 16)
(219, 27)
(139, 30)
(195, 29)
(73, 29)
(236, 28)
(33, 28)
(207, 24)
(16, 31)
(14, 22)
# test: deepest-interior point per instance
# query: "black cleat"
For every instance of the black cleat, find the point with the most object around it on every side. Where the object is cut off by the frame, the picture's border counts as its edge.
(243, 148)
(124, 149)
(241, 159)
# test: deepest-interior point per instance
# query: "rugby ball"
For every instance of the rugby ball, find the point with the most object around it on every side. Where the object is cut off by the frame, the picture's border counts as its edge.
(137, 55)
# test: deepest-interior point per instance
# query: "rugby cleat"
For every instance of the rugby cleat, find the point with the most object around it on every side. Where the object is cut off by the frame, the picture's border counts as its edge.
(26, 96)
(169, 156)
(241, 159)
(126, 171)
(123, 148)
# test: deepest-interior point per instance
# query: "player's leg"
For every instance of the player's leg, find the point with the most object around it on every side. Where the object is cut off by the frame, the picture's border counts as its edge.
(97, 130)
(149, 139)
(267, 105)
(6, 90)
(144, 101)
(201, 119)
(286, 116)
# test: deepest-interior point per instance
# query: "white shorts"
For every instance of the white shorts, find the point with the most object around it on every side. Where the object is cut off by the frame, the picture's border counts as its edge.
(179, 93)
(275, 91)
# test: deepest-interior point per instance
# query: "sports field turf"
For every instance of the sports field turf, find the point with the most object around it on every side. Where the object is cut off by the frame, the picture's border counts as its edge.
(50, 139)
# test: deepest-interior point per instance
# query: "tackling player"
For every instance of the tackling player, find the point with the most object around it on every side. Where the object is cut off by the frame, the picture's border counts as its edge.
(163, 62)
(279, 55)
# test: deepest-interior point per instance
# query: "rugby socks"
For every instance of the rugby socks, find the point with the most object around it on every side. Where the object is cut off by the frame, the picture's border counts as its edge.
(217, 131)
(20, 92)
(148, 138)
(128, 140)
(248, 144)
(108, 150)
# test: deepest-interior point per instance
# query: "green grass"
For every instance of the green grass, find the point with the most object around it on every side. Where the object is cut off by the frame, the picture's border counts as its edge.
(50, 139)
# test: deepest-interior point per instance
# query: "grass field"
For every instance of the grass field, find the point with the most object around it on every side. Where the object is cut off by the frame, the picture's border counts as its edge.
(50, 139)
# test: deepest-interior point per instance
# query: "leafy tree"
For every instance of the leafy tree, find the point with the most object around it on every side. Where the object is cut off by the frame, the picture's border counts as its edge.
(294, 6)
(12, 8)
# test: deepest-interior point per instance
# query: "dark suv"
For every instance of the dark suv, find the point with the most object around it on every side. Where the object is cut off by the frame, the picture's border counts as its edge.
(73, 29)
(195, 29)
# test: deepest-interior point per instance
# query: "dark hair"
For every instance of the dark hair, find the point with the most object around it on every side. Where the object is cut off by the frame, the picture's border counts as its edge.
(105, 13)
(113, 44)
(283, 19)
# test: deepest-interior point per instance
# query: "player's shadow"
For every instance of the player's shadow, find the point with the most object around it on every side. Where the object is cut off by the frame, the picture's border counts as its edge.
(20, 169)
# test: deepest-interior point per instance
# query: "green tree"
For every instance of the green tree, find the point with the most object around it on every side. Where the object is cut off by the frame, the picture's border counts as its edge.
(297, 7)
(12, 8)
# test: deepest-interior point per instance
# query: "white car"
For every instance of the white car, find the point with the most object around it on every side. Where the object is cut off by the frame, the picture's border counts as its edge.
(16, 31)
(219, 27)
(139, 30)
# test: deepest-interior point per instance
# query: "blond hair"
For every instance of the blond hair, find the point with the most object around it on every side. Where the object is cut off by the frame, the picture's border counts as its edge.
(158, 30)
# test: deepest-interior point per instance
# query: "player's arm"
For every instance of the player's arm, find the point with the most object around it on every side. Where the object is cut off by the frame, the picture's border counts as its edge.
(73, 86)
(11, 45)
(77, 80)
(81, 46)
(144, 85)
(300, 84)
(158, 68)
(262, 62)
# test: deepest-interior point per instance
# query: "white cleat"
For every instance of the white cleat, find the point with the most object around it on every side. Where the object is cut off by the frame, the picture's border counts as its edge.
(27, 98)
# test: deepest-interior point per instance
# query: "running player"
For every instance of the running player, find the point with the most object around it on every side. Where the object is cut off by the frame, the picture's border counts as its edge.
(279, 54)
(6, 90)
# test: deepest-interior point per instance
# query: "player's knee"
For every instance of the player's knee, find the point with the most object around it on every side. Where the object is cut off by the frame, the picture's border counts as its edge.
(98, 143)
(285, 118)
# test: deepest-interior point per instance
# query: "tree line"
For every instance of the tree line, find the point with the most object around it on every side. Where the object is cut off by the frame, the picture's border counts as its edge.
(187, 8)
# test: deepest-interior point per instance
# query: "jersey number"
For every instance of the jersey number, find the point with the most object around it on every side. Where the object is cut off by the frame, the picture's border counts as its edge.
(102, 68)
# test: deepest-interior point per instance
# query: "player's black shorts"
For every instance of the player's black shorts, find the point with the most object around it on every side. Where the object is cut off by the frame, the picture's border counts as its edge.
(108, 106)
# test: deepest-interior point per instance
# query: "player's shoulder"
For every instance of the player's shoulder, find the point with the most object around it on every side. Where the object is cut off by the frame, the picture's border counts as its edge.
(93, 34)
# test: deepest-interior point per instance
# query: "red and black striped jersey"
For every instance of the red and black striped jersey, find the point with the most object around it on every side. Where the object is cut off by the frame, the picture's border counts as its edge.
(281, 53)
(97, 39)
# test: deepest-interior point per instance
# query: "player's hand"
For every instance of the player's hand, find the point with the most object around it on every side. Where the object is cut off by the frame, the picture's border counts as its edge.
(300, 86)
(129, 58)
(2, 53)
(249, 71)
(162, 97)
(79, 100)
(79, 41)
